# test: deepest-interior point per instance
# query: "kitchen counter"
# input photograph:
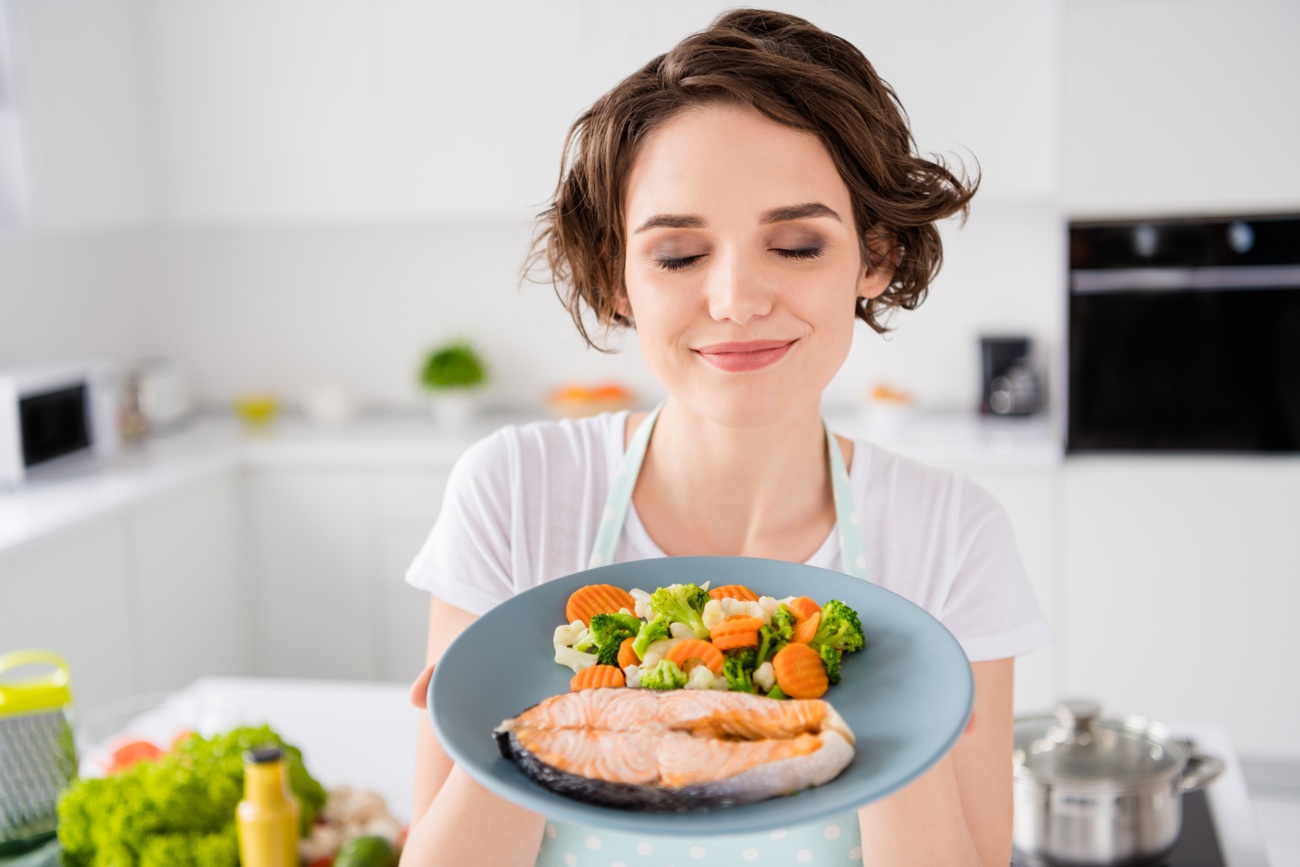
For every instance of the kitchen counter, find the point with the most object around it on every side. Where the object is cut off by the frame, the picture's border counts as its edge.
(363, 735)
(216, 444)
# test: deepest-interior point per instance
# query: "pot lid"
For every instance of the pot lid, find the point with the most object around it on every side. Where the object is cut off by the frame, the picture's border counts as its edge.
(1076, 746)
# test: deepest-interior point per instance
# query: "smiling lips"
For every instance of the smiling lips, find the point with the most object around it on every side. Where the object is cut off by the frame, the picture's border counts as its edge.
(747, 355)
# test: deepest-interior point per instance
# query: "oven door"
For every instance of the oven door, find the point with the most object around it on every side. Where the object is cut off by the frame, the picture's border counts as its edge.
(1184, 359)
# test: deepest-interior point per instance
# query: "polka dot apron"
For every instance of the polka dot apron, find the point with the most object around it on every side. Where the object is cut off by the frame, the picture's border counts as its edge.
(832, 841)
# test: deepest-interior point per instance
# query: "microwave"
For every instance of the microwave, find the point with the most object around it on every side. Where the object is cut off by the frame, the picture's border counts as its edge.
(55, 419)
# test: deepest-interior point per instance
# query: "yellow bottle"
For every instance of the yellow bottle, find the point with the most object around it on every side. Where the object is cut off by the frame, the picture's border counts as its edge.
(267, 818)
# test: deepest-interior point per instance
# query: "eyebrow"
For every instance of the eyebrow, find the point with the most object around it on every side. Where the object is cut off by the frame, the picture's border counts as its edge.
(776, 215)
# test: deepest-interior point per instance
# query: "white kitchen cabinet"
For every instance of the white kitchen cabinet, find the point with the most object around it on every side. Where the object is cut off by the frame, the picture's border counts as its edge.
(310, 601)
(72, 593)
(1180, 592)
(1181, 107)
(402, 505)
(84, 107)
(1030, 498)
(189, 566)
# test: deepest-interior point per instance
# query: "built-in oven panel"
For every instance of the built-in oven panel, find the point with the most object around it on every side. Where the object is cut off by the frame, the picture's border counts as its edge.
(1184, 336)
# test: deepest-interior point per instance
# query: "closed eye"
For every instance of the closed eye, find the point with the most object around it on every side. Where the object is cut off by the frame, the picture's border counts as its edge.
(669, 264)
(804, 253)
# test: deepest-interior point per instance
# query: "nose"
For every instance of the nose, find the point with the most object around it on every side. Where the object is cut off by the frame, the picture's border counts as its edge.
(737, 289)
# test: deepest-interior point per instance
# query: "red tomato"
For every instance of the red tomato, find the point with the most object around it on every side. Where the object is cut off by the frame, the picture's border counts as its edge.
(127, 753)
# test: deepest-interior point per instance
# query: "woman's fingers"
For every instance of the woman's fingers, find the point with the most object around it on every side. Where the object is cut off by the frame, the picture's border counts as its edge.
(420, 689)
(970, 725)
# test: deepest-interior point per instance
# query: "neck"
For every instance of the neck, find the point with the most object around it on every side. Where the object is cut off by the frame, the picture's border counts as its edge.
(760, 491)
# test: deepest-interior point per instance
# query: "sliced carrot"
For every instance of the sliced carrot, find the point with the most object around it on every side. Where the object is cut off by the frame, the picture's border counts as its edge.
(594, 599)
(803, 608)
(733, 640)
(734, 591)
(735, 624)
(596, 676)
(696, 648)
(800, 672)
(804, 630)
(626, 655)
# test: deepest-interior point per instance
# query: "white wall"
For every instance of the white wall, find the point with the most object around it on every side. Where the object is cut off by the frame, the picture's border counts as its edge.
(286, 308)
(70, 296)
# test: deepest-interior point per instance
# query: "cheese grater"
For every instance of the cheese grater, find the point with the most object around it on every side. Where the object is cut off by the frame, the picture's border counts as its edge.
(37, 755)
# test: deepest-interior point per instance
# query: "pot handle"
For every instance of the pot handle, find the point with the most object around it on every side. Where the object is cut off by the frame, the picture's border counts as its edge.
(1201, 770)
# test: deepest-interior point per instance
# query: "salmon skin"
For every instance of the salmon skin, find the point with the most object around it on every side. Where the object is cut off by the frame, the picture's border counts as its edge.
(678, 750)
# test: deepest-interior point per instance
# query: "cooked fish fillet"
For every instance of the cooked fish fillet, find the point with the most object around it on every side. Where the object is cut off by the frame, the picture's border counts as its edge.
(676, 750)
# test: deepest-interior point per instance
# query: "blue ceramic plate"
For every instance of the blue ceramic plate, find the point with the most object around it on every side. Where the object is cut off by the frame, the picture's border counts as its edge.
(907, 695)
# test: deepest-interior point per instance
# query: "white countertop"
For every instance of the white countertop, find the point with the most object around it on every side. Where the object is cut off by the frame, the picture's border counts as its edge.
(363, 735)
(215, 444)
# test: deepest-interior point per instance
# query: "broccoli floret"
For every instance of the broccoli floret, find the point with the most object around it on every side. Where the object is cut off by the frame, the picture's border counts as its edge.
(783, 621)
(831, 659)
(840, 628)
(607, 628)
(650, 632)
(738, 669)
(607, 634)
(769, 642)
(682, 603)
(776, 692)
(665, 675)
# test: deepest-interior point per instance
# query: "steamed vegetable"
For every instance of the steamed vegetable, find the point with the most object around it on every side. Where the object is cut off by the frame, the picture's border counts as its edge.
(840, 628)
(682, 603)
(651, 631)
(665, 675)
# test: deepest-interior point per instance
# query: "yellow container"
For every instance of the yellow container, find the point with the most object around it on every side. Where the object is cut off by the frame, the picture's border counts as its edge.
(38, 758)
(267, 819)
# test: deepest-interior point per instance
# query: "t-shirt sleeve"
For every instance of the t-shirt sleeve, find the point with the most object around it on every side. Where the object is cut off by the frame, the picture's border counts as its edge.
(990, 605)
(466, 559)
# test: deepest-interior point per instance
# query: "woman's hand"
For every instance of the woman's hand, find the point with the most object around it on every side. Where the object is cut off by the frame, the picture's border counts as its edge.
(420, 689)
(959, 812)
(455, 821)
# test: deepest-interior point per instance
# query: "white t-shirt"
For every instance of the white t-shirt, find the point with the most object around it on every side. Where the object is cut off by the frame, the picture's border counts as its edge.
(522, 507)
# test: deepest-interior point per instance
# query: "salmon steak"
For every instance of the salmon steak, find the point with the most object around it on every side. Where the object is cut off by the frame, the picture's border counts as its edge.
(676, 750)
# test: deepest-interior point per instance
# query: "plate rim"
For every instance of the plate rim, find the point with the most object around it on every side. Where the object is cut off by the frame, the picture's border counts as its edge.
(560, 807)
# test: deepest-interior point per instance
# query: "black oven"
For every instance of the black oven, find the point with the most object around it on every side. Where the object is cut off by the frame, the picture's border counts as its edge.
(1184, 335)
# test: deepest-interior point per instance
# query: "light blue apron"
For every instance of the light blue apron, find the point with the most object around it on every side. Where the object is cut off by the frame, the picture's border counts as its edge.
(834, 841)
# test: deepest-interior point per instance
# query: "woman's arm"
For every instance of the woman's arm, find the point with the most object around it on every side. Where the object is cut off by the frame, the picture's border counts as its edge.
(456, 821)
(959, 812)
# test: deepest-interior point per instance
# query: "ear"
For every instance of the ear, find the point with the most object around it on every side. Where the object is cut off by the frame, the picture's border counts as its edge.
(621, 305)
(876, 277)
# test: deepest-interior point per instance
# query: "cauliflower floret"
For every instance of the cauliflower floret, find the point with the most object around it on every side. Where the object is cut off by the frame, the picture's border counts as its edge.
(564, 638)
(765, 677)
(642, 608)
(657, 651)
(632, 676)
(741, 608)
(680, 630)
(713, 613)
(768, 604)
(702, 678)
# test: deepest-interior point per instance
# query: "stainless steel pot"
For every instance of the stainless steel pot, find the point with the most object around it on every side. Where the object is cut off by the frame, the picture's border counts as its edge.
(1093, 791)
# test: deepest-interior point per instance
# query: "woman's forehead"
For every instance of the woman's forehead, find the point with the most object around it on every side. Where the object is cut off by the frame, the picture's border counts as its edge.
(730, 161)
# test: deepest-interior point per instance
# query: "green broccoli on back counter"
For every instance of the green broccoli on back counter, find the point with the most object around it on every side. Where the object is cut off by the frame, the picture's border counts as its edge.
(178, 811)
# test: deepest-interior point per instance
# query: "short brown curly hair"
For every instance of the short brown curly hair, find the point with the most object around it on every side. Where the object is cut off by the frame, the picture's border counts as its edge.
(794, 73)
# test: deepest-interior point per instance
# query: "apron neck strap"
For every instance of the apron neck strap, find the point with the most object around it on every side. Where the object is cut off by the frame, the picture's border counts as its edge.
(614, 515)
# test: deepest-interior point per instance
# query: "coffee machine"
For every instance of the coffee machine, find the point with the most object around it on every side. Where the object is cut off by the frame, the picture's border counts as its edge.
(1010, 385)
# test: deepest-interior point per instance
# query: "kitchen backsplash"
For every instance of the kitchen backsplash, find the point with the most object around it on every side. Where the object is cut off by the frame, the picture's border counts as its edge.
(285, 308)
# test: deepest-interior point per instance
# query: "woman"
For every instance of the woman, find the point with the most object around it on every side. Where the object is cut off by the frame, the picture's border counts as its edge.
(740, 201)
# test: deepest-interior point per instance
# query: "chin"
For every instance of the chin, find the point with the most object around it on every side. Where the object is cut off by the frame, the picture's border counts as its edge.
(749, 407)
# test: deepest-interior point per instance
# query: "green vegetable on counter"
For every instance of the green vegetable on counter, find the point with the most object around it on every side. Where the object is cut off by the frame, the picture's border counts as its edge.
(178, 811)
